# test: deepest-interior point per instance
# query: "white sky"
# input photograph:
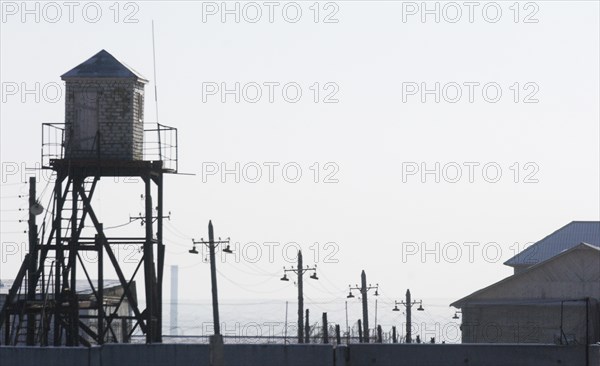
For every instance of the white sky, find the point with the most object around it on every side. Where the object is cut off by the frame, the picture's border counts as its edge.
(369, 134)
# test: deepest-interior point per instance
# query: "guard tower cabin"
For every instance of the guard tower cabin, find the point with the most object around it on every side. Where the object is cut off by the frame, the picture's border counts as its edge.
(104, 111)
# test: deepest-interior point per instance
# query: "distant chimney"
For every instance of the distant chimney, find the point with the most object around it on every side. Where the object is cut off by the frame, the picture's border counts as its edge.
(174, 299)
(104, 110)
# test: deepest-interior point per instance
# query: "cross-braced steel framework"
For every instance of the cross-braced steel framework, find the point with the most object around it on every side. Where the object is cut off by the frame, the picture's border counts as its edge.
(44, 305)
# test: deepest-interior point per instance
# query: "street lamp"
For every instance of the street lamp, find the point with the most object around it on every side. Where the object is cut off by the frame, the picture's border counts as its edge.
(408, 304)
(216, 340)
(363, 291)
(212, 244)
(300, 272)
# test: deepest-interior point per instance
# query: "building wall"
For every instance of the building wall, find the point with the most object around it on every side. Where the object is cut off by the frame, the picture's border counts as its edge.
(119, 112)
(531, 323)
(526, 307)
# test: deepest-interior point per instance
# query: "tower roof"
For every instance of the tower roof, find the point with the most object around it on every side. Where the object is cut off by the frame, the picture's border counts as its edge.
(103, 65)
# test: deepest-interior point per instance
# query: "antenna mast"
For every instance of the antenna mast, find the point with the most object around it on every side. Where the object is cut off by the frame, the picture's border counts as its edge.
(155, 82)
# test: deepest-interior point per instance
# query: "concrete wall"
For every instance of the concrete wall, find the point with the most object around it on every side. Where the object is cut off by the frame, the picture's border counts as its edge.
(278, 355)
(300, 355)
(463, 355)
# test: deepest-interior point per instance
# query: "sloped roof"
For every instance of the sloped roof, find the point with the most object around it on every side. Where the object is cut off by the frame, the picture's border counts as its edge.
(103, 65)
(527, 272)
(562, 239)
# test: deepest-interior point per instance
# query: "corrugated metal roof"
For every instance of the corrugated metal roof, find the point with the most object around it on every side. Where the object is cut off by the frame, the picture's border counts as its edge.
(103, 65)
(562, 239)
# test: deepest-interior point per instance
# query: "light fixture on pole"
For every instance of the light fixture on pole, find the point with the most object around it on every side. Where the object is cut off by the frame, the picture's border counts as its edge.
(36, 209)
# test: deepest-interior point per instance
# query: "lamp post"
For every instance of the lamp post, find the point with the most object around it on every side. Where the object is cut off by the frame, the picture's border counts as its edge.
(300, 272)
(408, 304)
(363, 291)
(216, 341)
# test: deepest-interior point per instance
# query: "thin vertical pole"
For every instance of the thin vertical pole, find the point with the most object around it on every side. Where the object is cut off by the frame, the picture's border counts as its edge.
(360, 332)
(347, 324)
(286, 323)
(155, 80)
(300, 300)
(32, 263)
(307, 328)
(213, 279)
(59, 257)
(161, 256)
(375, 326)
(587, 331)
(562, 333)
(394, 336)
(100, 250)
(408, 318)
(149, 265)
(73, 339)
(174, 299)
(363, 290)
(325, 330)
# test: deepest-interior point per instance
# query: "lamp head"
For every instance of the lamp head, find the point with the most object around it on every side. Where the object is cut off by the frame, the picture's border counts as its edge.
(193, 250)
(36, 209)
(420, 308)
(395, 308)
(285, 277)
(350, 296)
(228, 250)
(314, 276)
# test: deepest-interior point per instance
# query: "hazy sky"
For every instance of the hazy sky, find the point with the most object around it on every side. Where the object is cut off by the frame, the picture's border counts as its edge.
(380, 65)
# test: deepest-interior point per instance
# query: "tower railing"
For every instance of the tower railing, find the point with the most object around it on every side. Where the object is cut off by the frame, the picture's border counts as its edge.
(159, 144)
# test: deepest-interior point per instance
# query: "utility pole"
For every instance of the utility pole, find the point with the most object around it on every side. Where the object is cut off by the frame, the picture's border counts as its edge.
(300, 272)
(365, 306)
(33, 261)
(408, 304)
(347, 325)
(216, 341)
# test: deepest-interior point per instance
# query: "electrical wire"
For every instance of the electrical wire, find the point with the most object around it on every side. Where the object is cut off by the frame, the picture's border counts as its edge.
(117, 226)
